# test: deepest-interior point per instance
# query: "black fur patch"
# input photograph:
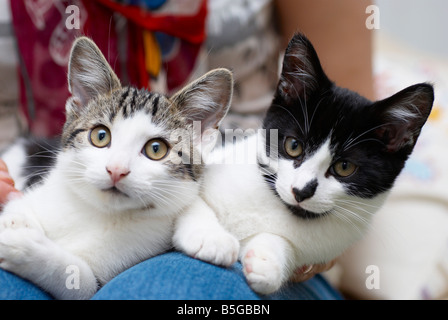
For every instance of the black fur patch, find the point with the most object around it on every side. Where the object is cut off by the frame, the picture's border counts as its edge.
(41, 157)
(155, 105)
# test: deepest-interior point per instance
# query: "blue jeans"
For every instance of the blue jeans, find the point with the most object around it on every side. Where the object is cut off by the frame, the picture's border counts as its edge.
(174, 276)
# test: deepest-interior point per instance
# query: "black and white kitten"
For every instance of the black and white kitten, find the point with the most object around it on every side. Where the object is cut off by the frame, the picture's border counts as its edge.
(120, 179)
(328, 160)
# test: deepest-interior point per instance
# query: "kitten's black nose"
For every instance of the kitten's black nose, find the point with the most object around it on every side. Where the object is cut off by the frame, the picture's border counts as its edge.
(307, 192)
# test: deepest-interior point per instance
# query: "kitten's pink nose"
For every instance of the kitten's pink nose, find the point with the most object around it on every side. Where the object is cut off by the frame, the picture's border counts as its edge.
(117, 173)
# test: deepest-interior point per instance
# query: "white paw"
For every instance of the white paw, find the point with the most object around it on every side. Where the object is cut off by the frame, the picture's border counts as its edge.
(263, 271)
(19, 246)
(14, 221)
(216, 246)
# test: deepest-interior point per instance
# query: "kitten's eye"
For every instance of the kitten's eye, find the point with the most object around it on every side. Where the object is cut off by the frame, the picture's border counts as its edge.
(100, 136)
(344, 168)
(155, 149)
(293, 147)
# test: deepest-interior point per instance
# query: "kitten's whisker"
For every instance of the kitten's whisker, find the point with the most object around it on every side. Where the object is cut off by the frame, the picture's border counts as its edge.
(355, 217)
(361, 141)
(294, 118)
(36, 174)
(354, 202)
(42, 155)
(317, 106)
(348, 144)
(368, 222)
(355, 214)
(304, 112)
(343, 217)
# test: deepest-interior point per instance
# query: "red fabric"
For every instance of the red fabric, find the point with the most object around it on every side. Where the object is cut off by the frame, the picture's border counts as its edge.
(189, 28)
(43, 83)
(44, 56)
(44, 43)
(136, 58)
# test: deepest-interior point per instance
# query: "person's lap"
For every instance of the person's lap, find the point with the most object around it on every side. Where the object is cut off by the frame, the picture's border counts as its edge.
(15, 288)
(174, 276)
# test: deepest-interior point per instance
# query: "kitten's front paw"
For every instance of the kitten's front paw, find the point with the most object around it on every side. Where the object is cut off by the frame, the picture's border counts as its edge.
(262, 270)
(18, 246)
(14, 221)
(215, 246)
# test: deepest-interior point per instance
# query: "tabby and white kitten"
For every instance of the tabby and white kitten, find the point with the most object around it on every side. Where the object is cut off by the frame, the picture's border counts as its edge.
(333, 157)
(117, 184)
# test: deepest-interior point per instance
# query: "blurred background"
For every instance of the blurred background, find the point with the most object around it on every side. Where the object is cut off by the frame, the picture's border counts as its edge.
(420, 24)
(409, 238)
(408, 242)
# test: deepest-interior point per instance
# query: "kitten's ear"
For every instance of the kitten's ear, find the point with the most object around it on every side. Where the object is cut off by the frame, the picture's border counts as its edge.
(302, 72)
(403, 116)
(89, 73)
(207, 99)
